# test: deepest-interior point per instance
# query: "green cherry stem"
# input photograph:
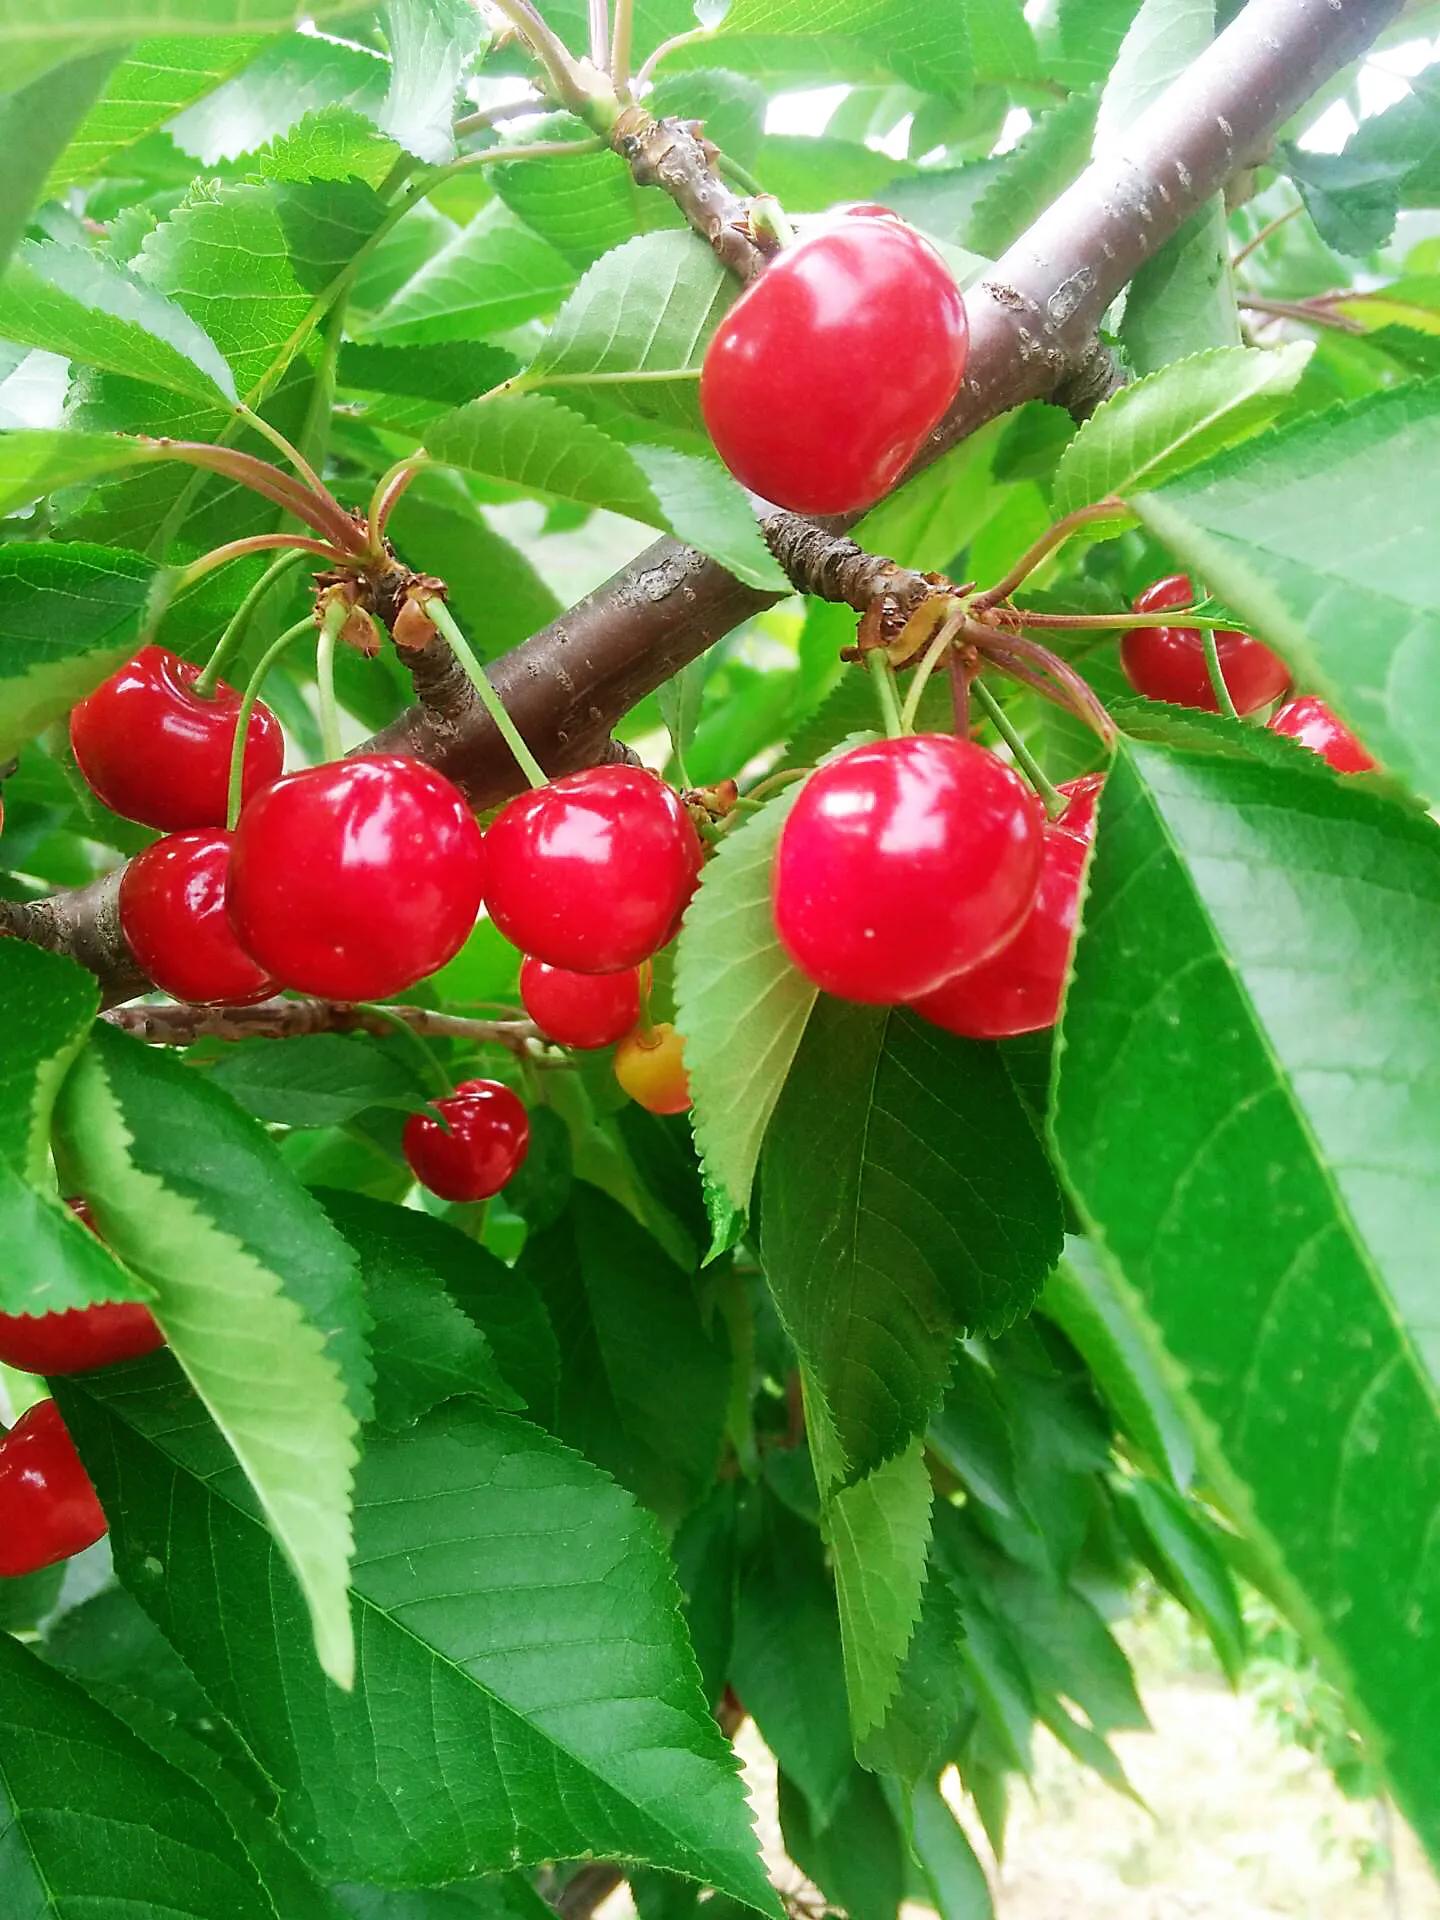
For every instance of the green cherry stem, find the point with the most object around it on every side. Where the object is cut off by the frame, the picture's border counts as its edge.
(489, 699)
(934, 654)
(1055, 802)
(228, 645)
(1217, 677)
(769, 221)
(432, 1070)
(882, 674)
(332, 620)
(247, 706)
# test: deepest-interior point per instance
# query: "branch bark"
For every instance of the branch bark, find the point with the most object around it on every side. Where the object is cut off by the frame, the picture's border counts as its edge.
(181, 1025)
(1032, 334)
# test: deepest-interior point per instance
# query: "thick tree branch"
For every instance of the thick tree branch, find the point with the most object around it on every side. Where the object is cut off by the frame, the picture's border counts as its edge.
(180, 1026)
(1032, 328)
(675, 156)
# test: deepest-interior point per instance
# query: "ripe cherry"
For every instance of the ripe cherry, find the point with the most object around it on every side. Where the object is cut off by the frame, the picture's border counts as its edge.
(1168, 663)
(580, 1009)
(172, 914)
(903, 862)
(824, 378)
(1018, 989)
(488, 1138)
(156, 751)
(356, 879)
(593, 871)
(80, 1340)
(650, 1066)
(48, 1508)
(1314, 725)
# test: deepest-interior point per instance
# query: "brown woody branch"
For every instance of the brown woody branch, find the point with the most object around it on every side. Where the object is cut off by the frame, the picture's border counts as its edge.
(1032, 331)
(181, 1025)
(675, 156)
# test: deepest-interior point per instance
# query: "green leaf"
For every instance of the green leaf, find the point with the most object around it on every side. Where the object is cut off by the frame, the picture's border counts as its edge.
(257, 1294)
(35, 125)
(937, 1213)
(848, 40)
(787, 1665)
(316, 1080)
(740, 1003)
(493, 275)
(879, 1532)
(83, 306)
(525, 1693)
(1158, 427)
(291, 77)
(501, 1896)
(1286, 532)
(49, 1262)
(582, 203)
(1182, 301)
(1163, 39)
(971, 1434)
(154, 82)
(433, 44)
(643, 1382)
(1353, 199)
(919, 1731)
(69, 615)
(954, 1878)
(1080, 1298)
(1192, 1565)
(1407, 133)
(858, 1858)
(495, 593)
(426, 1348)
(1278, 1203)
(71, 1772)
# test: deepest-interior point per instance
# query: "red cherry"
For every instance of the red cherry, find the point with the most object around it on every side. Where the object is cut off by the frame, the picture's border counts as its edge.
(824, 378)
(356, 879)
(172, 914)
(486, 1145)
(48, 1508)
(1018, 989)
(903, 862)
(650, 1066)
(1168, 663)
(1314, 725)
(80, 1340)
(592, 872)
(155, 751)
(580, 1009)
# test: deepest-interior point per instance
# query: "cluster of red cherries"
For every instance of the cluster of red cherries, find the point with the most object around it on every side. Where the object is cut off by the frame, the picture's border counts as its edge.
(924, 872)
(356, 879)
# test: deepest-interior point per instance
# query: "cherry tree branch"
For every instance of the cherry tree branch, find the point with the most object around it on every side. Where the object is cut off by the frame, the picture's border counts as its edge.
(181, 1025)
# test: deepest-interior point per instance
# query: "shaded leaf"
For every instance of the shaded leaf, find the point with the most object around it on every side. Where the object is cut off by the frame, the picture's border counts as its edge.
(494, 274)
(879, 1530)
(35, 125)
(316, 1080)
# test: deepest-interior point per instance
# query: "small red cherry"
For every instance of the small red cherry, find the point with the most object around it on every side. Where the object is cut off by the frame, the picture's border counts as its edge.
(580, 1009)
(80, 1340)
(1018, 989)
(356, 879)
(903, 862)
(172, 914)
(156, 751)
(1314, 725)
(1168, 663)
(488, 1138)
(48, 1508)
(593, 871)
(650, 1066)
(823, 380)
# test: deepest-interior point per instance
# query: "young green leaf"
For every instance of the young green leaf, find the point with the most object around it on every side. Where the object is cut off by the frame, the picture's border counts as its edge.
(1187, 1559)
(582, 203)
(1171, 420)
(69, 1772)
(931, 1694)
(879, 1532)
(493, 275)
(525, 1691)
(937, 1212)
(433, 44)
(291, 77)
(1259, 1175)
(256, 1292)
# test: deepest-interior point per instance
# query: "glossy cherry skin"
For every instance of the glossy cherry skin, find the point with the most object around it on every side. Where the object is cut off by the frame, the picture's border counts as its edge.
(593, 871)
(903, 862)
(1018, 989)
(48, 1508)
(824, 378)
(356, 879)
(584, 1010)
(650, 1066)
(1318, 727)
(488, 1139)
(1168, 663)
(172, 913)
(80, 1340)
(153, 750)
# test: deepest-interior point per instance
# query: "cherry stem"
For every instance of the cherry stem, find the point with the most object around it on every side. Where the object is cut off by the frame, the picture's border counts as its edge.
(645, 1025)
(1055, 801)
(272, 653)
(934, 654)
(1259, 239)
(1217, 676)
(882, 674)
(620, 43)
(1117, 622)
(388, 490)
(774, 783)
(487, 117)
(254, 543)
(433, 1072)
(549, 50)
(332, 620)
(647, 71)
(1053, 537)
(325, 516)
(535, 150)
(228, 644)
(489, 699)
(292, 453)
(769, 221)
